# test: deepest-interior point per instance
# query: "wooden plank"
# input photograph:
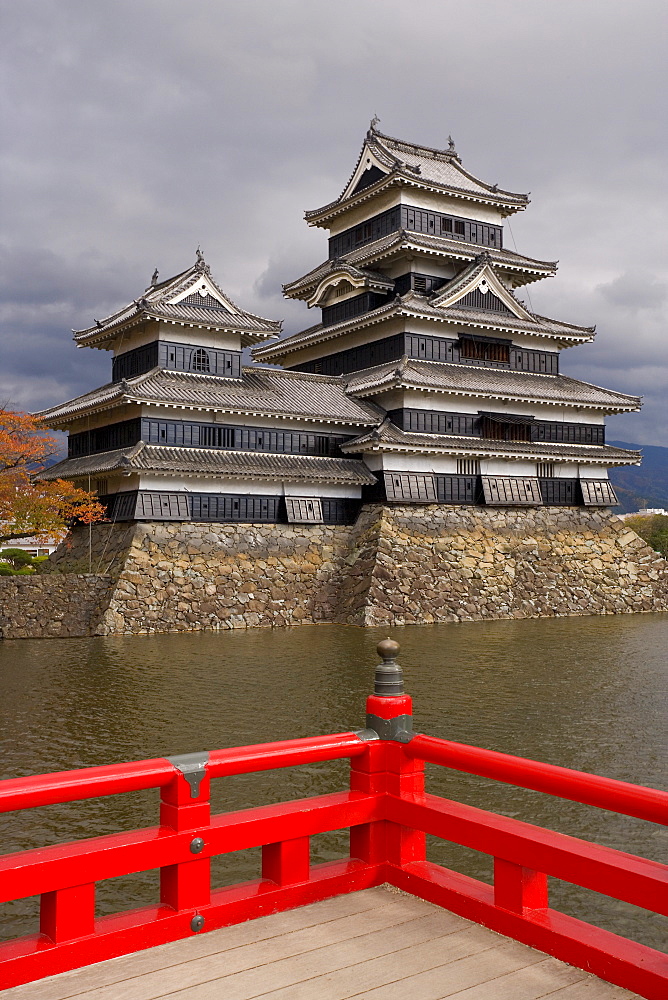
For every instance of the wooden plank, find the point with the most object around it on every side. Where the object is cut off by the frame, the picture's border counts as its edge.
(388, 969)
(450, 978)
(77, 981)
(391, 919)
(593, 989)
(529, 983)
(296, 969)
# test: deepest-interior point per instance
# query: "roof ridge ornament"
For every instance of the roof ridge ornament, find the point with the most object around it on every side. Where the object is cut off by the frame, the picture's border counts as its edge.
(375, 121)
(200, 263)
(154, 279)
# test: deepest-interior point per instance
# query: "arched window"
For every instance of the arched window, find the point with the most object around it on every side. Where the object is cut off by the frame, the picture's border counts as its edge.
(200, 361)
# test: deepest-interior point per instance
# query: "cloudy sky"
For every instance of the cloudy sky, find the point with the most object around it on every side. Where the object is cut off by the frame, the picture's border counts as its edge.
(136, 129)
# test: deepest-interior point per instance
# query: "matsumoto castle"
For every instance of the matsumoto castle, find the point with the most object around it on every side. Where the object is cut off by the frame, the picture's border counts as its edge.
(424, 380)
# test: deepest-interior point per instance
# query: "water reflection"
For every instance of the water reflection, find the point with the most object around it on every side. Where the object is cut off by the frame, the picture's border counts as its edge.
(588, 693)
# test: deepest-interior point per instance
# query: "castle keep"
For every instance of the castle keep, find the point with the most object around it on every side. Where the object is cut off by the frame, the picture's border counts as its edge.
(398, 460)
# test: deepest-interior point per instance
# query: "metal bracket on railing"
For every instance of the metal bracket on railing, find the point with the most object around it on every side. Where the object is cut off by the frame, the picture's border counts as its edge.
(366, 734)
(399, 729)
(192, 767)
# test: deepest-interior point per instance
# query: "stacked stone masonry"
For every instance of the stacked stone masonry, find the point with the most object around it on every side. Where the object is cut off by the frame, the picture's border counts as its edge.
(397, 565)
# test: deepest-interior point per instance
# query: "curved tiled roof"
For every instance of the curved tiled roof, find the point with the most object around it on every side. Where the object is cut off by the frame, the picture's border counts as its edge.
(389, 437)
(405, 240)
(414, 305)
(421, 166)
(208, 312)
(264, 391)
(465, 380)
(207, 461)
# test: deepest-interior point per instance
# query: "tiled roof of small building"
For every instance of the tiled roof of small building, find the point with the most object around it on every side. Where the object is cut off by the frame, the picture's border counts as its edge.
(389, 437)
(466, 380)
(229, 464)
(425, 167)
(266, 392)
(215, 312)
(402, 240)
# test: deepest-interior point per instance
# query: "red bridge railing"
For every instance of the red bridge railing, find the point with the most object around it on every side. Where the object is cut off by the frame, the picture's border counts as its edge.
(388, 814)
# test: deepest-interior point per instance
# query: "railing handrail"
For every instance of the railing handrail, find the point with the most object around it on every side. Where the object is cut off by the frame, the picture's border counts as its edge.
(562, 782)
(114, 779)
(595, 790)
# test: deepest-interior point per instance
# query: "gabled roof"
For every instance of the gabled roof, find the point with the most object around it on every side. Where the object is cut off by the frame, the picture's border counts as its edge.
(266, 392)
(415, 306)
(193, 298)
(200, 462)
(479, 275)
(402, 241)
(487, 383)
(386, 160)
(389, 437)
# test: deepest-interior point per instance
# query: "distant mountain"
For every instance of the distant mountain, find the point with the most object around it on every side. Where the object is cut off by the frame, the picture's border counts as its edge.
(645, 485)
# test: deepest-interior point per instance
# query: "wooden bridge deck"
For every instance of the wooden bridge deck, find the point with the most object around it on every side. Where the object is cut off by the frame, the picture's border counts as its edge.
(377, 944)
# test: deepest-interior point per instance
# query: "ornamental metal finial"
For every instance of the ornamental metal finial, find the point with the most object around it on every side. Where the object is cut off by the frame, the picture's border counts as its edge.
(389, 679)
(154, 279)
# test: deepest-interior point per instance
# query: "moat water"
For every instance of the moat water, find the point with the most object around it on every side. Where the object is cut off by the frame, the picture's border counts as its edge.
(588, 693)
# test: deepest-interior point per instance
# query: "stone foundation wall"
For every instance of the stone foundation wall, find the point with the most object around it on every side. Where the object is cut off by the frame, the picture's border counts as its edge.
(436, 563)
(399, 565)
(42, 607)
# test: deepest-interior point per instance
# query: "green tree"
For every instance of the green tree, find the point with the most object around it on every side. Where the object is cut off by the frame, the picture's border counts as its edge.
(653, 530)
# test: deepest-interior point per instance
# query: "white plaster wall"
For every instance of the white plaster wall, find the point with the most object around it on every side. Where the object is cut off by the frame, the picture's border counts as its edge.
(396, 462)
(592, 472)
(219, 484)
(422, 400)
(367, 210)
(502, 467)
(431, 201)
(194, 335)
(208, 416)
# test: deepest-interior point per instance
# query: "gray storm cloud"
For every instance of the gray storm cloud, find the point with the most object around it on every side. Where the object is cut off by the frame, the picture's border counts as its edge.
(137, 129)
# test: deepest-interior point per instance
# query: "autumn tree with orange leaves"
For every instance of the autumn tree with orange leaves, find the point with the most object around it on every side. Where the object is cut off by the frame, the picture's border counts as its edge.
(30, 507)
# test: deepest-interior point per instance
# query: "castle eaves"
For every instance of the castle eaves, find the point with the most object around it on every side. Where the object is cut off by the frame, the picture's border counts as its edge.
(389, 437)
(413, 305)
(199, 462)
(403, 240)
(262, 392)
(463, 380)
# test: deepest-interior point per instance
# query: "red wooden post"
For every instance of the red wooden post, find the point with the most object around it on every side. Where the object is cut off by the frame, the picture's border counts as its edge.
(287, 862)
(386, 767)
(68, 913)
(517, 888)
(184, 805)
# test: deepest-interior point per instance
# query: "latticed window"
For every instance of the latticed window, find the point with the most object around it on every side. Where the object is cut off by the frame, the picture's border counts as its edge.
(200, 361)
(301, 509)
(468, 467)
(101, 487)
(545, 470)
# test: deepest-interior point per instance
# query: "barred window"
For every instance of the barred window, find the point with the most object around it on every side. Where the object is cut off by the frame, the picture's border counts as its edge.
(101, 487)
(468, 467)
(545, 470)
